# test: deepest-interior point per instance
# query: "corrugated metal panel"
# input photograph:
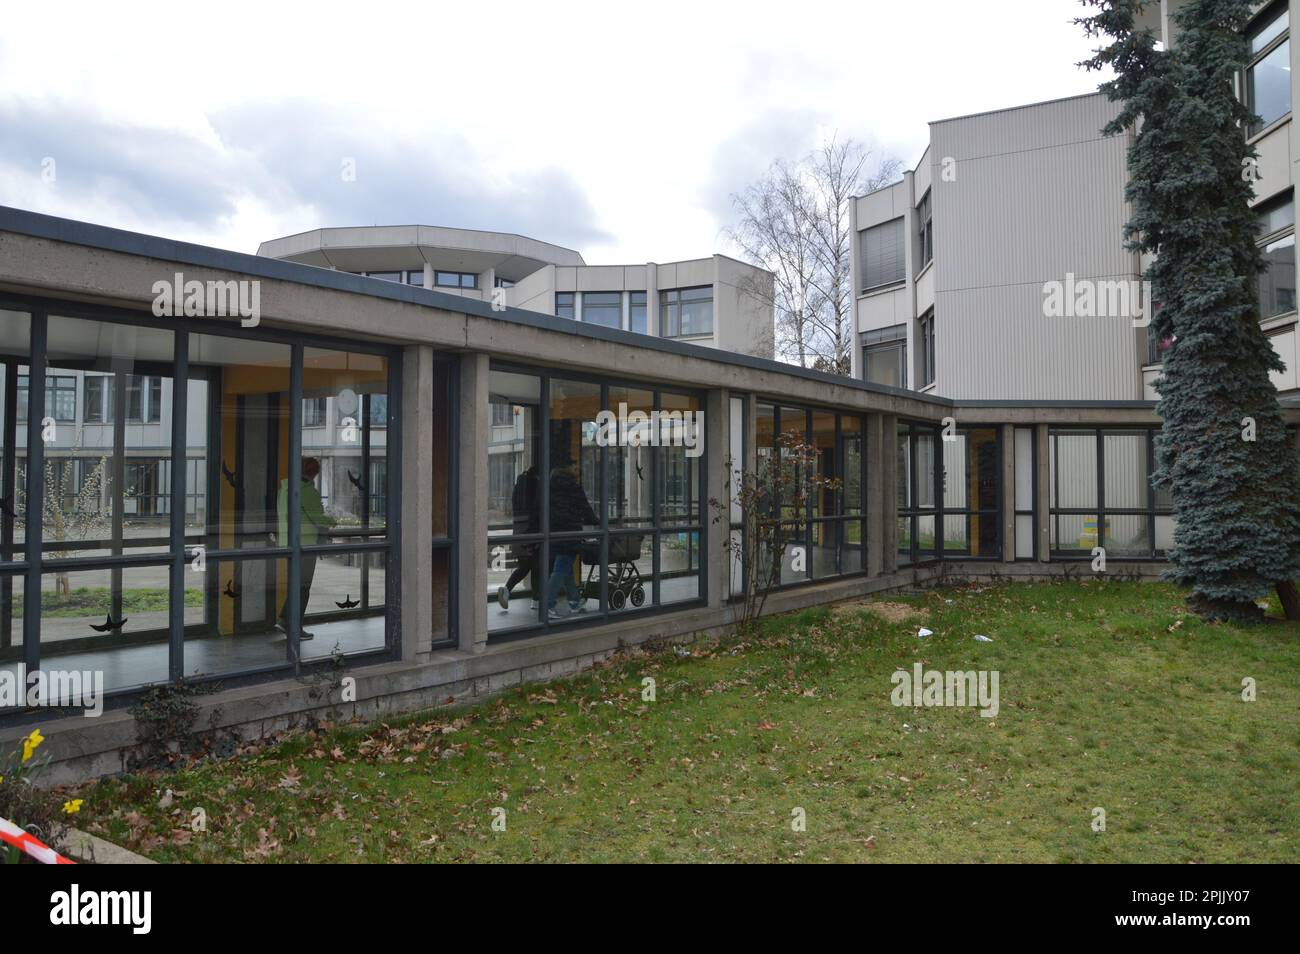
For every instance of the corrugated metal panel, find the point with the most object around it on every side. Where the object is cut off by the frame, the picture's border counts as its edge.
(1037, 193)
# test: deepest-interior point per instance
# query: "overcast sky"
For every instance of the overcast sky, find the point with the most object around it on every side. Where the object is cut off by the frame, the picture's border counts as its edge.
(618, 129)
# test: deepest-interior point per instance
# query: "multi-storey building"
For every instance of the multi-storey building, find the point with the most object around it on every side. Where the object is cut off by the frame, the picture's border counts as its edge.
(953, 264)
(716, 301)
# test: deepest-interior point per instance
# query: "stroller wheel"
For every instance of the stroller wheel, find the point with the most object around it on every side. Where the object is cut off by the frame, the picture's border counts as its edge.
(638, 596)
(617, 599)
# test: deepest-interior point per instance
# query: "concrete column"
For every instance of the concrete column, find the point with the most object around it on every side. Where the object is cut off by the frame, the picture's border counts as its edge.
(1043, 499)
(885, 516)
(873, 508)
(1008, 493)
(488, 283)
(428, 275)
(652, 299)
(472, 506)
(717, 431)
(417, 502)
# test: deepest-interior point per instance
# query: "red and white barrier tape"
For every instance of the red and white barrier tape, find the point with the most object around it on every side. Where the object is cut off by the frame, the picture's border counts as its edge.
(30, 845)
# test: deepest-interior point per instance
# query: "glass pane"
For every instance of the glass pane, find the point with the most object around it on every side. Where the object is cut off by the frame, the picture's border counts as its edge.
(795, 560)
(1024, 454)
(444, 454)
(1073, 469)
(343, 597)
(15, 335)
(1128, 535)
(11, 622)
(514, 452)
(925, 539)
(697, 312)
(246, 457)
(824, 492)
(637, 312)
(1277, 284)
(631, 571)
(980, 470)
(515, 582)
(1073, 532)
(1024, 537)
(1164, 532)
(1269, 85)
(904, 468)
(905, 525)
(603, 308)
(681, 441)
(956, 535)
(927, 460)
(1268, 31)
(765, 441)
(851, 487)
(106, 486)
(344, 465)
(113, 621)
(1126, 470)
(630, 464)
(679, 567)
(575, 455)
(825, 547)
(515, 577)
(572, 588)
(851, 541)
(238, 624)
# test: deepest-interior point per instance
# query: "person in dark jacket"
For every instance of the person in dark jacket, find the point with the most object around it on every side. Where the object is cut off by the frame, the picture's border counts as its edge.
(525, 504)
(570, 510)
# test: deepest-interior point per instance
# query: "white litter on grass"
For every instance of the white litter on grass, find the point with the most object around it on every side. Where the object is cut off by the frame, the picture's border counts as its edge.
(981, 638)
(923, 632)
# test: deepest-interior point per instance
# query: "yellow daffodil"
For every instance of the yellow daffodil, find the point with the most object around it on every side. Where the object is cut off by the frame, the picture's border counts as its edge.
(73, 806)
(32, 743)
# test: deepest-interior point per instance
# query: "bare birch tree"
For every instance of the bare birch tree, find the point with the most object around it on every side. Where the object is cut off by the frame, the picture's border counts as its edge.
(794, 222)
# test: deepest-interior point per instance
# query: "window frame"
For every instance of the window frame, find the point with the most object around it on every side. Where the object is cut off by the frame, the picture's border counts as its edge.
(1261, 23)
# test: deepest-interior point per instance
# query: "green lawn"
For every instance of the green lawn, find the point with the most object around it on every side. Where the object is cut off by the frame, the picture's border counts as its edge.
(1111, 696)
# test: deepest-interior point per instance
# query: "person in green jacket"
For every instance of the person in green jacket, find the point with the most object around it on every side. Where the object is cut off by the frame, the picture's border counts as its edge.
(315, 522)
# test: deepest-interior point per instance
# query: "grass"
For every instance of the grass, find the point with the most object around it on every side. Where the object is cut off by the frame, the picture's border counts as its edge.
(1111, 696)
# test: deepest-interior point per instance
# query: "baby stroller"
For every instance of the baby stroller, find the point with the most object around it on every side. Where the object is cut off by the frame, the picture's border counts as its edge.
(624, 579)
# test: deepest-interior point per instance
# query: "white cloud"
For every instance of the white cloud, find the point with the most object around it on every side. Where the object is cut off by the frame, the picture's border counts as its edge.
(613, 127)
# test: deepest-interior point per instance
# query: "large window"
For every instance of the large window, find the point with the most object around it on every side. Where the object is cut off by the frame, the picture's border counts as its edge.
(1268, 77)
(817, 509)
(925, 338)
(596, 500)
(949, 493)
(454, 280)
(1277, 288)
(686, 312)
(637, 312)
(202, 532)
(884, 356)
(1101, 495)
(924, 232)
(564, 305)
(881, 255)
(603, 308)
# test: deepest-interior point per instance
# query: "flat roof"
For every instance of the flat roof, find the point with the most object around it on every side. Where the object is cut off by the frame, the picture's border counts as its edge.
(74, 232)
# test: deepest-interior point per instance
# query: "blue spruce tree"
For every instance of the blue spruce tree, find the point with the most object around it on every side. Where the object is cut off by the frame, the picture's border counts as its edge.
(1236, 499)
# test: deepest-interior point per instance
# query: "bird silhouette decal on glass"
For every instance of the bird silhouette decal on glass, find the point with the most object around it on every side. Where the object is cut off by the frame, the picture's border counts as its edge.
(229, 474)
(230, 590)
(347, 603)
(356, 482)
(109, 625)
